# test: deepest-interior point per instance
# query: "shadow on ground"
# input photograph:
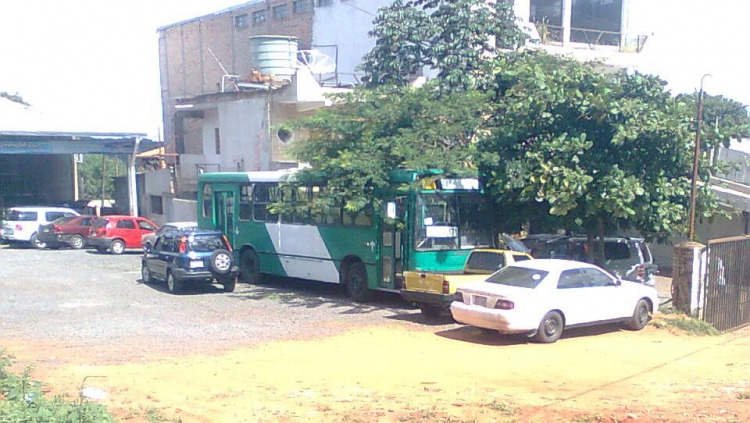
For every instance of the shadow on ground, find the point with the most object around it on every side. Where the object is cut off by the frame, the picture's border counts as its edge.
(491, 337)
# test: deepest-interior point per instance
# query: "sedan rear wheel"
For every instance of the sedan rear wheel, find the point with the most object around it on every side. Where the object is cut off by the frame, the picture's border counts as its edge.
(76, 242)
(550, 329)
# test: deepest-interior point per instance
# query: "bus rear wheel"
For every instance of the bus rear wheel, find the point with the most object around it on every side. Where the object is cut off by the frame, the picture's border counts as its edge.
(250, 267)
(356, 282)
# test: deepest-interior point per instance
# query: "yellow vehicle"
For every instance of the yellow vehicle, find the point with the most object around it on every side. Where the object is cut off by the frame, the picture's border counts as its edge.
(433, 292)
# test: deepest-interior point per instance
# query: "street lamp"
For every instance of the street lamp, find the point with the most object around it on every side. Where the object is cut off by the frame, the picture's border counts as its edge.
(696, 158)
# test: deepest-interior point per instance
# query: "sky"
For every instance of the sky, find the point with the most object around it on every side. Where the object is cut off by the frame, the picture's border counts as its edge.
(92, 65)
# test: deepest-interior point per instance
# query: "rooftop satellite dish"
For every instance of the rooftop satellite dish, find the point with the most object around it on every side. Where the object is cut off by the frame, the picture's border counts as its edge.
(315, 61)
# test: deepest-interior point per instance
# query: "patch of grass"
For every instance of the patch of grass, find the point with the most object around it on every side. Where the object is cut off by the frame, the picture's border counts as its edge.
(22, 400)
(686, 324)
(501, 406)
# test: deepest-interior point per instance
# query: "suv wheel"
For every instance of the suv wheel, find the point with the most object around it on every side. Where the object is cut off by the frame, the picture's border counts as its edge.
(146, 274)
(221, 262)
(36, 243)
(229, 284)
(117, 246)
(174, 285)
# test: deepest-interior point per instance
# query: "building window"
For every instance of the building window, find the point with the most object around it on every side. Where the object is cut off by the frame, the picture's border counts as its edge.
(217, 140)
(240, 21)
(157, 206)
(280, 12)
(323, 3)
(259, 16)
(301, 6)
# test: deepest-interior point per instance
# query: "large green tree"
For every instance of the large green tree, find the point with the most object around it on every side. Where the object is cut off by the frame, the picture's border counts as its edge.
(564, 144)
(374, 131)
(454, 37)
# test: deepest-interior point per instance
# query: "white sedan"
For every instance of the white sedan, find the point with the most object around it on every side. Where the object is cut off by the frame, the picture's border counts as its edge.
(541, 297)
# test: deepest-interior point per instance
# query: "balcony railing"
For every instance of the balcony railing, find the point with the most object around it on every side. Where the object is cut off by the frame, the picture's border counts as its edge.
(594, 38)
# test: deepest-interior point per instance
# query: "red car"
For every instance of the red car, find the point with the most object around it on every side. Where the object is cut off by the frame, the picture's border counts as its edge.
(71, 230)
(116, 233)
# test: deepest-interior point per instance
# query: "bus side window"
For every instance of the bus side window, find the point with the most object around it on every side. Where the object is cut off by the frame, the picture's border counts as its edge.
(207, 200)
(246, 202)
(264, 195)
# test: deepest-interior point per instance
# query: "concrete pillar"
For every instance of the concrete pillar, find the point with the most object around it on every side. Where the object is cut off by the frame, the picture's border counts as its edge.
(522, 9)
(132, 187)
(567, 21)
(687, 277)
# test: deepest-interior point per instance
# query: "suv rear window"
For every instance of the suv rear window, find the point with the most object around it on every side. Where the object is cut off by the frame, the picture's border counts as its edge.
(206, 243)
(616, 251)
(22, 216)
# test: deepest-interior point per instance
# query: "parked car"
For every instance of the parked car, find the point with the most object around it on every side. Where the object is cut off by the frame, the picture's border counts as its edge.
(148, 239)
(22, 223)
(67, 230)
(433, 291)
(542, 297)
(625, 257)
(184, 256)
(118, 233)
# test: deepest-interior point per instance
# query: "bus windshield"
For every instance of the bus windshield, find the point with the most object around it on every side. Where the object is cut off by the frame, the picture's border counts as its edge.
(451, 221)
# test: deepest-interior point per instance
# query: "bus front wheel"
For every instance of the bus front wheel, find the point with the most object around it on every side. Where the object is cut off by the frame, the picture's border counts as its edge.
(250, 267)
(356, 282)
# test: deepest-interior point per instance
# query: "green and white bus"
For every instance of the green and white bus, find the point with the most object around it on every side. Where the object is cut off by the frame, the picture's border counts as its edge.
(430, 228)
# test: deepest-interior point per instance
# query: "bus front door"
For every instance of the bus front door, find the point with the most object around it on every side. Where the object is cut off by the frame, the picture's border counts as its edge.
(223, 216)
(391, 248)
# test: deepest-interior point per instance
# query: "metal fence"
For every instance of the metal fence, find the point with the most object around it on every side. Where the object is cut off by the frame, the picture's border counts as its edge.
(727, 285)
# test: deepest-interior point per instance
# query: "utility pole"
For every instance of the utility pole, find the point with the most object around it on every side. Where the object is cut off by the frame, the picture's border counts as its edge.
(696, 159)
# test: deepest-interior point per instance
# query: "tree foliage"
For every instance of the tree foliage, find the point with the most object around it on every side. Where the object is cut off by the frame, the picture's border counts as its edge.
(560, 143)
(90, 173)
(375, 131)
(455, 37)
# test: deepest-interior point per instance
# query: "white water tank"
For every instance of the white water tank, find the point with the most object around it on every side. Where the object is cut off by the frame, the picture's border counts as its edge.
(274, 54)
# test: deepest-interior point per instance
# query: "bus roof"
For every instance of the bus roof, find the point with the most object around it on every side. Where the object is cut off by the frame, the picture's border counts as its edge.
(287, 175)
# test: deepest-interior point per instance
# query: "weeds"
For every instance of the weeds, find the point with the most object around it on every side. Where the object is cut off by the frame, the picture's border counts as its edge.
(22, 400)
(687, 324)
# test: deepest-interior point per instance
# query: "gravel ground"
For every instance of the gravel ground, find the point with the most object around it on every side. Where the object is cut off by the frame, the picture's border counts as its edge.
(89, 299)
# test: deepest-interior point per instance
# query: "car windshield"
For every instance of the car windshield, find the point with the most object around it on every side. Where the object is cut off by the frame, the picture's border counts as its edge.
(451, 221)
(518, 276)
(206, 243)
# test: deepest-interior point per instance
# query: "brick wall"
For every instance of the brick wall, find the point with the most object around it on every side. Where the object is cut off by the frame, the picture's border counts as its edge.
(189, 69)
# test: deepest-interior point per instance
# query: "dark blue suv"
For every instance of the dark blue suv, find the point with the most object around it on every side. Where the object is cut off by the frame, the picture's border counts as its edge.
(193, 255)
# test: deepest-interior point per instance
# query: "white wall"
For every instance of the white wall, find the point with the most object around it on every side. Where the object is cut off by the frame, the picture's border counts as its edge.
(346, 24)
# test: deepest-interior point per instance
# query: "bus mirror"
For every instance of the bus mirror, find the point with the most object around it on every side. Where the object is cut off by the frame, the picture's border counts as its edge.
(390, 210)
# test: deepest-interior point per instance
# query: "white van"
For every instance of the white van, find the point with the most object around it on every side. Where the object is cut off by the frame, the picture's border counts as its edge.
(22, 223)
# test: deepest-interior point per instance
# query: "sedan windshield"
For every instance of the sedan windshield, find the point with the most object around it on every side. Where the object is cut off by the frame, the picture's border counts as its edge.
(518, 276)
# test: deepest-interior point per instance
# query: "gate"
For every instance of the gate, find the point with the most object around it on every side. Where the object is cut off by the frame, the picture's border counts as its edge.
(727, 286)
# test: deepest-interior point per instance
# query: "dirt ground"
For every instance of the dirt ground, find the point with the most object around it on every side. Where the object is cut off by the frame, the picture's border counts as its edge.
(392, 373)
